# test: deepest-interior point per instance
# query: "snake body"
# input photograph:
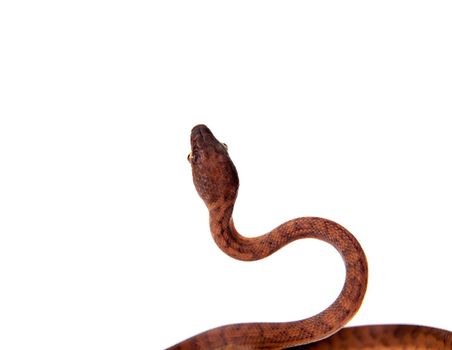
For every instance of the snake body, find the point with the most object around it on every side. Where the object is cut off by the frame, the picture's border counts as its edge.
(216, 180)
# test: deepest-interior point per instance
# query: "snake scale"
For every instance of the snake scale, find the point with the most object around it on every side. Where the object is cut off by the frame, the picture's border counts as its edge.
(216, 180)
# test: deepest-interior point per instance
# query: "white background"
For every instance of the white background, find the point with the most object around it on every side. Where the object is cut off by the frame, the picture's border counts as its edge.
(333, 109)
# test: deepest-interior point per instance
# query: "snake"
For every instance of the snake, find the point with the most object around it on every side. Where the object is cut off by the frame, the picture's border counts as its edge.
(216, 180)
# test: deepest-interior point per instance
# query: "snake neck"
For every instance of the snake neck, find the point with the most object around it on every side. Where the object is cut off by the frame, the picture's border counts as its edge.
(226, 236)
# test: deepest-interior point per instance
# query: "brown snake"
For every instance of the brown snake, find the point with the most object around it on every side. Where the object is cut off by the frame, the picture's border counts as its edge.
(216, 180)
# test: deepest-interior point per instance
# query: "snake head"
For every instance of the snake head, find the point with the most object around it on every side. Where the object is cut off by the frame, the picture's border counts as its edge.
(214, 174)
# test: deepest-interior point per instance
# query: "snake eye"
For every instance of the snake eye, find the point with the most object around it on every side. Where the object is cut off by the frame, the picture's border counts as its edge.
(225, 146)
(192, 157)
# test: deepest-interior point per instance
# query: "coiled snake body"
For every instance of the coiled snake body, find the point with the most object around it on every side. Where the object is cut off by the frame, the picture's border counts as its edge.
(216, 180)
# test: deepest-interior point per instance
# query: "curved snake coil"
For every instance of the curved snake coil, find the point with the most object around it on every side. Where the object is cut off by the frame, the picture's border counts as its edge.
(216, 180)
